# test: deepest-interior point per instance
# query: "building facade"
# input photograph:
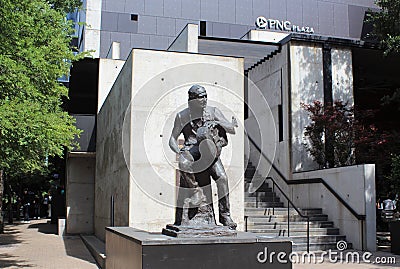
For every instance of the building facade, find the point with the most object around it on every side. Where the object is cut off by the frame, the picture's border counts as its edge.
(293, 52)
(154, 24)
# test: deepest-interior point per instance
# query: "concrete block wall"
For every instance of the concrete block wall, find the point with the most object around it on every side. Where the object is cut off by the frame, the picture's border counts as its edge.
(112, 175)
(80, 175)
(160, 84)
(134, 124)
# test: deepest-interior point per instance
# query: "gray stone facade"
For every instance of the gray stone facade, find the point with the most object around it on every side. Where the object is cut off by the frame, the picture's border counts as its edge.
(159, 21)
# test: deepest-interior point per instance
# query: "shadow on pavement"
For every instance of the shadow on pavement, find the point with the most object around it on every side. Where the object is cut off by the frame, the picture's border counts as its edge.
(45, 228)
(10, 236)
(75, 247)
(10, 261)
(9, 240)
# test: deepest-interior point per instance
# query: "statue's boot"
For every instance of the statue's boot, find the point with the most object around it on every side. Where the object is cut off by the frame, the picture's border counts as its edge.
(224, 213)
(223, 203)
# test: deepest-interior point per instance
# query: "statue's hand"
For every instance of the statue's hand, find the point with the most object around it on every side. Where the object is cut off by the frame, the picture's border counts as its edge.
(211, 124)
(234, 122)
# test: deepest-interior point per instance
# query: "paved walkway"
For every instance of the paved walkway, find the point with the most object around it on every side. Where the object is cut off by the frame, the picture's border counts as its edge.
(35, 245)
(378, 260)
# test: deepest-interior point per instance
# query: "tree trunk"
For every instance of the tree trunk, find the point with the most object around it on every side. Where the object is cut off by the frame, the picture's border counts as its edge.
(1, 202)
(7, 186)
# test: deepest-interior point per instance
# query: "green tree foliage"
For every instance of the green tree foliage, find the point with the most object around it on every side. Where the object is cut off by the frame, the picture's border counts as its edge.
(394, 177)
(387, 24)
(34, 53)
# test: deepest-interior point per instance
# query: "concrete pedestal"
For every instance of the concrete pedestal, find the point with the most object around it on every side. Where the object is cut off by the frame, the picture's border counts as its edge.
(127, 247)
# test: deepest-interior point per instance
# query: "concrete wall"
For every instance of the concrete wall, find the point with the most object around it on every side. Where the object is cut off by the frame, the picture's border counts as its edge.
(342, 75)
(271, 86)
(187, 40)
(112, 175)
(266, 36)
(134, 161)
(108, 72)
(80, 177)
(160, 84)
(89, 34)
(356, 186)
(307, 85)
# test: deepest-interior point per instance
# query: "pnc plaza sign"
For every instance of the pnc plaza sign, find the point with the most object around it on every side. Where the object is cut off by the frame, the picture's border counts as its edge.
(263, 23)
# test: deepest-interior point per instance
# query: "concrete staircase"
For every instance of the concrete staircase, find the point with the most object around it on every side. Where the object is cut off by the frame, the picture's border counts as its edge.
(263, 220)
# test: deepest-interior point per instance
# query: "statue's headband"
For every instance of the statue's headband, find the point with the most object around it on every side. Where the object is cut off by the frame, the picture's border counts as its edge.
(197, 91)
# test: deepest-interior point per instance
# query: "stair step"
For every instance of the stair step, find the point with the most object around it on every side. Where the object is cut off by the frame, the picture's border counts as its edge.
(269, 211)
(298, 247)
(277, 210)
(293, 217)
(260, 197)
(277, 218)
(295, 231)
(280, 211)
(312, 211)
(268, 217)
(263, 204)
(294, 225)
(324, 239)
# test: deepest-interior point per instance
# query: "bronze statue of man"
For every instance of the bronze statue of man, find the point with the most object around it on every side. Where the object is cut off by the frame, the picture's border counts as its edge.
(198, 123)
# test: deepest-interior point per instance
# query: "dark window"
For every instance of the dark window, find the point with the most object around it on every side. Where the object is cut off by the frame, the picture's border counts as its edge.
(134, 17)
(203, 28)
(280, 119)
(246, 96)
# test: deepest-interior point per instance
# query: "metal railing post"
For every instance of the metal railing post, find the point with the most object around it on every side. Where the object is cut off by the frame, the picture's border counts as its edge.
(273, 197)
(256, 199)
(112, 210)
(245, 223)
(308, 234)
(288, 219)
(362, 235)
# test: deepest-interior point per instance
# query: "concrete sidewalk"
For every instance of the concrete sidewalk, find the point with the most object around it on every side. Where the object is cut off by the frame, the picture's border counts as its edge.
(383, 260)
(36, 245)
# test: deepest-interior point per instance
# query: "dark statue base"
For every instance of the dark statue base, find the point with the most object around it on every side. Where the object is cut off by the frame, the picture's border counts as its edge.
(127, 247)
(182, 231)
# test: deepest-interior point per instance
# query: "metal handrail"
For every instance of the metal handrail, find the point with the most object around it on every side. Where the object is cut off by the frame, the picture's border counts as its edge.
(310, 181)
(305, 181)
(289, 202)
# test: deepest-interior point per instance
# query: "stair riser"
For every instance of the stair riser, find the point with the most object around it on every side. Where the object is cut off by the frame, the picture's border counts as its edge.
(317, 247)
(252, 196)
(277, 210)
(264, 203)
(283, 232)
(284, 226)
(269, 210)
(282, 218)
(317, 239)
(252, 201)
